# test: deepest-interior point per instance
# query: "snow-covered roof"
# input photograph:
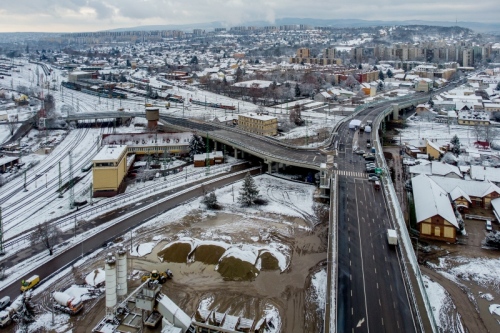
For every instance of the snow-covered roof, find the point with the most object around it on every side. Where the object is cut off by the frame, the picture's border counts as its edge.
(110, 153)
(478, 172)
(473, 188)
(435, 146)
(457, 192)
(431, 200)
(262, 117)
(442, 169)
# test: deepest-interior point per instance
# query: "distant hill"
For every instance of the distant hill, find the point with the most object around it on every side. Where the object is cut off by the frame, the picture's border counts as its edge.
(338, 23)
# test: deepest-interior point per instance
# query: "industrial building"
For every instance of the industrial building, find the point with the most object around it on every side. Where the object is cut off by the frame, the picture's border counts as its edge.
(148, 306)
(109, 169)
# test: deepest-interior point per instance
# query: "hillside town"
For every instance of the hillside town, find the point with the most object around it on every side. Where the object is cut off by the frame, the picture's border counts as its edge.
(252, 178)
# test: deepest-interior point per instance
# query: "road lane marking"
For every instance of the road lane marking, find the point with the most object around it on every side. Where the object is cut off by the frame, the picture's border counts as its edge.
(379, 302)
(377, 285)
(375, 270)
(373, 257)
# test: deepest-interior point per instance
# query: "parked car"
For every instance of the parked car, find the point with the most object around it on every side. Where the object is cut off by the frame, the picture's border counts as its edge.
(359, 152)
(489, 227)
(370, 158)
(371, 169)
(373, 178)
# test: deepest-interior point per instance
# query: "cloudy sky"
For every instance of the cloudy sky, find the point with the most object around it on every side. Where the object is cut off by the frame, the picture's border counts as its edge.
(94, 15)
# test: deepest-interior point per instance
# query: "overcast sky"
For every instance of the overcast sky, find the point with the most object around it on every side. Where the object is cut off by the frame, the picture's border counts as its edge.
(94, 15)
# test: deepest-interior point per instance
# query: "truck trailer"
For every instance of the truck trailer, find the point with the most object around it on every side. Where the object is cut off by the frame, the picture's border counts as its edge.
(392, 237)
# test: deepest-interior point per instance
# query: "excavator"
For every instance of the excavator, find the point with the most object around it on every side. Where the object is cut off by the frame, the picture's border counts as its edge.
(155, 275)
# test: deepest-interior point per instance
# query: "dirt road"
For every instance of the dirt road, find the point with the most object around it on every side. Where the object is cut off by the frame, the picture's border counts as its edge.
(471, 319)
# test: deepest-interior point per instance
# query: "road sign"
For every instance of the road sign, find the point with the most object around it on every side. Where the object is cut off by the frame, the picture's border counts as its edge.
(378, 171)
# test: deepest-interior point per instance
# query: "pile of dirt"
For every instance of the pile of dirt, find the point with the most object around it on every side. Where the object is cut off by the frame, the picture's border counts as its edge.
(176, 252)
(269, 262)
(208, 254)
(234, 269)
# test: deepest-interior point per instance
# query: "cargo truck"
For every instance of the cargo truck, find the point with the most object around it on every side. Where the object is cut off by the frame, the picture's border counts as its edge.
(392, 237)
(67, 303)
(7, 315)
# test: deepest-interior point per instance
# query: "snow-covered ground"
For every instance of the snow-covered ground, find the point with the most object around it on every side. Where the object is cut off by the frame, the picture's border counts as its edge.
(298, 203)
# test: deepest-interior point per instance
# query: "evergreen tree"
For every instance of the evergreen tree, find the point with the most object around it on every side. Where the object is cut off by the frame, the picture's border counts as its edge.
(493, 239)
(249, 191)
(389, 74)
(381, 75)
(194, 60)
(196, 145)
(455, 141)
(360, 66)
(380, 86)
(498, 86)
(431, 102)
(211, 201)
(239, 74)
(297, 90)
(128, 63)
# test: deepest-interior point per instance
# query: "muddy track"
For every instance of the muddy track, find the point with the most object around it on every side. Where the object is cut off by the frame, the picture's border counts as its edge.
(471, 319)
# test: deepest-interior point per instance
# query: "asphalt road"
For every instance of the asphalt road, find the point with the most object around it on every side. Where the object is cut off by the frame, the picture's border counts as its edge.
(63, 259)
(253, 143)
(371, 291)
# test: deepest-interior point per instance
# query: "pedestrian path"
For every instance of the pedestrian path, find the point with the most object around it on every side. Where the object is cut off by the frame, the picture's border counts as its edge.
(350, 173)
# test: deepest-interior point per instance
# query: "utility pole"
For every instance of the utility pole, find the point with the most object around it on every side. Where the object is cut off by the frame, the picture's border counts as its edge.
(25, 189)
(2, 251)
(208, 157)
(91, 194)
(71, 187)
(60, 182)
(165, 164)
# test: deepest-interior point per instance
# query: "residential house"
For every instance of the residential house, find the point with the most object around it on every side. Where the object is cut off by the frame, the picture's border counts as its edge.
(436, 168)
(434, 213)
(433, 150)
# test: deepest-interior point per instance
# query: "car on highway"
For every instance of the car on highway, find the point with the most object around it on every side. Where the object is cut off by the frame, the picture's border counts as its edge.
(370, 158)
(371, 169)
(371, 165)
(373, 178)
(359, 152)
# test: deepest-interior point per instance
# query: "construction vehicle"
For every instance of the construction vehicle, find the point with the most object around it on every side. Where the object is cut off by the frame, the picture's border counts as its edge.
(155, 275)
(30, 283)
(7, 315)
(67, 303)
(22, 100)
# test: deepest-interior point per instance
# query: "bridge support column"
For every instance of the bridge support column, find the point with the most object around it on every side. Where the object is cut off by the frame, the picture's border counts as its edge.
(242, 154)
(235, 153)
(270, 167)
(215, 145)
(395, 111)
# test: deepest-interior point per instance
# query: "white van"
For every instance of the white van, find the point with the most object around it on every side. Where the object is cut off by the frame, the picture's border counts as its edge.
(4, 301)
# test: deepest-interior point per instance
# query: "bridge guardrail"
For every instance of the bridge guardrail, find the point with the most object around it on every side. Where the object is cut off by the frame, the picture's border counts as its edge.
(398, 218)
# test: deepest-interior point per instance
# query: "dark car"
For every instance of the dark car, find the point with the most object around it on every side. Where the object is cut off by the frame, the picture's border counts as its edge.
(370, 158)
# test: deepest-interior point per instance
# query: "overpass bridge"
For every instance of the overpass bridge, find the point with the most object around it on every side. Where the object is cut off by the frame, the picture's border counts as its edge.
(272, 152)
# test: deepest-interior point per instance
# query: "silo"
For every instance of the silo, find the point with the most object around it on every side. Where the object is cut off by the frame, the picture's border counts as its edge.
(152, 115)
(122, 272)
(110, 270)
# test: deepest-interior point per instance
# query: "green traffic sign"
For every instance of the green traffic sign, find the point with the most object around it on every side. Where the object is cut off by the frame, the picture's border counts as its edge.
(378, 171)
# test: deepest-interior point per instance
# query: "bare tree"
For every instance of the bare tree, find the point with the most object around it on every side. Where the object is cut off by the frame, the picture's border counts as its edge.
(11, 125)
(46, 234)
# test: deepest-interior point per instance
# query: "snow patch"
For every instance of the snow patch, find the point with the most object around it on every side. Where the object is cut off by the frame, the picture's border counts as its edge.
(142, 249)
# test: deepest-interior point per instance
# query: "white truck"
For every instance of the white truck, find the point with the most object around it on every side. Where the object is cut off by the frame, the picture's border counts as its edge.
(7, 314)
(354, 124)
(392, 237)
(67, 303)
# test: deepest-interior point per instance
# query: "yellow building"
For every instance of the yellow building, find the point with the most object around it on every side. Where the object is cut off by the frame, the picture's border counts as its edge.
(258, 124)
(433, 150)
(109, 170)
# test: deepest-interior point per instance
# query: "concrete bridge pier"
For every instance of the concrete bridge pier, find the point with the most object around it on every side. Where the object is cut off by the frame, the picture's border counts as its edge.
(395, 111)
(235, 153)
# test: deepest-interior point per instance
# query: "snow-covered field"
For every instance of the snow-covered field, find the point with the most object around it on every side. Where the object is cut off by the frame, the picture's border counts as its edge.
(298, 203)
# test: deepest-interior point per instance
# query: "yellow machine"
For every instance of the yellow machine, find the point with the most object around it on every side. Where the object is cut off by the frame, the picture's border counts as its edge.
(30, 283)
(155, 275)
